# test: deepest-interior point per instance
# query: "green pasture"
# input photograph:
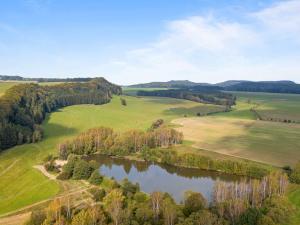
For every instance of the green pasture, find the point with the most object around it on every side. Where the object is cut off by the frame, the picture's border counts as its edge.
(277, 106)
(22, 185)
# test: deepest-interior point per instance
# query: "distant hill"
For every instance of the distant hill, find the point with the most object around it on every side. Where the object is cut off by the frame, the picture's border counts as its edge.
(19, 78)
(168, 84)
(266, 86)
(284, 86)
(229, 83)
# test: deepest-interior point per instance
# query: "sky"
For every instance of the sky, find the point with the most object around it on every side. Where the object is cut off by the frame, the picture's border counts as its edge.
(136, 41)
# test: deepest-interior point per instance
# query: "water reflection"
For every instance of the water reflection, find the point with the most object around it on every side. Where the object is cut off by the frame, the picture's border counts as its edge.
(161, 177)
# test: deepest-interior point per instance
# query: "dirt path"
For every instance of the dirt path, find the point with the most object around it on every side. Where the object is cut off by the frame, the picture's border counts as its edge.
(9, 167)
(27, 208)
(45, 172)
(15, 220)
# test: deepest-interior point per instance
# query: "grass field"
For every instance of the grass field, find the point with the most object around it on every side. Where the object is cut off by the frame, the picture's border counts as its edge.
(272, 105)
(239, 134)
(294, 197)
(21, 184)
(268, 142)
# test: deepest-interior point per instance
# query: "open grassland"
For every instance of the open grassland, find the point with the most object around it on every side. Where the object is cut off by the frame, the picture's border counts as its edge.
(279, 107)
(21, 184)
(294, 197)
(268, 142)
(239, 134)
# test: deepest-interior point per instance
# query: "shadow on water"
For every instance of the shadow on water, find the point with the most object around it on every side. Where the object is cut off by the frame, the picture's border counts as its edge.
(166, 178)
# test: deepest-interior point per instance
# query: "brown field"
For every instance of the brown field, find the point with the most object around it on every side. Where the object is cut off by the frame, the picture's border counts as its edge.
(268, 142)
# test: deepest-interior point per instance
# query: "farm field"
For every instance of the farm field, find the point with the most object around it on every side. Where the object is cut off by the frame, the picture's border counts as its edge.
(268, 142)
(271, 105)
(238, 133)
(21, 184)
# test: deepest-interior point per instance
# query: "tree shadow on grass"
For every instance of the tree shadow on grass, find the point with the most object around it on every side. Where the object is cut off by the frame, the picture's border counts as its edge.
(163, 100)
(52, 130)
(200, 110)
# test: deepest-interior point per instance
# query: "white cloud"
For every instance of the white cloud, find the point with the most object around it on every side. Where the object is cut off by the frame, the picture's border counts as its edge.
(208, 49)
(281, 17)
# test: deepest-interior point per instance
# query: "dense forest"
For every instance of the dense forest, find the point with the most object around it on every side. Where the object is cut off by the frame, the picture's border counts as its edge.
(106, 141)
(203, 94)
(23, 107)
(266, 86)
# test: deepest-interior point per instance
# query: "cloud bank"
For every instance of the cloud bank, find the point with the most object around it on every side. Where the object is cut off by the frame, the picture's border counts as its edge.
(266, 45)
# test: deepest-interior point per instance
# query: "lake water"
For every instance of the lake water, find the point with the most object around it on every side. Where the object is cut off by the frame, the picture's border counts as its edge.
(164, 178)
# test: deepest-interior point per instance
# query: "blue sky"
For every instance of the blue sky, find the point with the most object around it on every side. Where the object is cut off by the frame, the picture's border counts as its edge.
(139, 41)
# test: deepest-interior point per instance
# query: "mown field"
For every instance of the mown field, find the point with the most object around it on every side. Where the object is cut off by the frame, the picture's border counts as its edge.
(268, 142)
(271, 105)
(21, 184)
(238, 133)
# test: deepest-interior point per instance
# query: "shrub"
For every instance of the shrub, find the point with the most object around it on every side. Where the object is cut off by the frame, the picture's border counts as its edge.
(36, 218)
(123, 102)
(295, 174)
(193, 202)
(96, 178)
(98, 194)
(82, 170)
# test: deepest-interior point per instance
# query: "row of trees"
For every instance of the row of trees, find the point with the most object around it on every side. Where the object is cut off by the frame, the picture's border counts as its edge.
(194, 160)
(106, 141)
(124, 204)
(24, 107)
(154, 145)
(196, 95)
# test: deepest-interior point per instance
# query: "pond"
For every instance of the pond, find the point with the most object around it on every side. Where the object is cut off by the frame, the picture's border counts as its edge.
(159, 177)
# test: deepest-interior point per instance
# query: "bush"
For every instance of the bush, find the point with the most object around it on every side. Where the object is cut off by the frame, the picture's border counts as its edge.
(129, 187)
(68, 168)
(96, 178)
(98, 194)
(250, 217)
(36, 218)
(123, 102)
(82, 170)
(295, 174)
(193, 202)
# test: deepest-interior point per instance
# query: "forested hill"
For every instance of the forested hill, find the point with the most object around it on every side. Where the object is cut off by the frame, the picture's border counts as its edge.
(23, 107)
(230, 85)
(266, 86)
(168, 84)
(19, 78)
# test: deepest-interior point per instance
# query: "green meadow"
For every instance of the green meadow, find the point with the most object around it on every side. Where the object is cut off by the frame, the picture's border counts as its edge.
(278, 106)
(22, 185)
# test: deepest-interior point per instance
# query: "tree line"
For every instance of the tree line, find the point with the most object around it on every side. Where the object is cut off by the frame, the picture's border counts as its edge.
(158, 144)
(106, 141)
(195, 94)
(24, 107)
(124, 204)
(193, 160)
